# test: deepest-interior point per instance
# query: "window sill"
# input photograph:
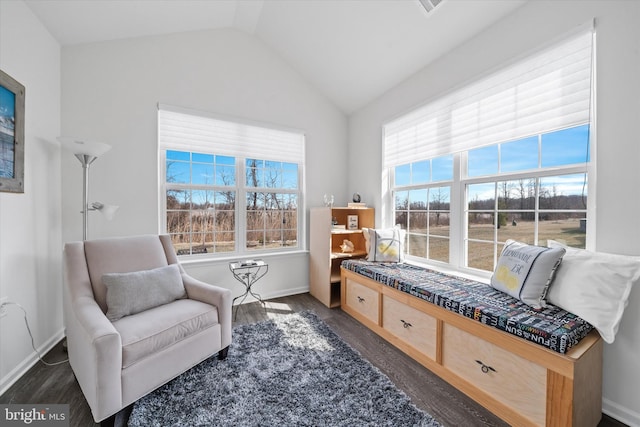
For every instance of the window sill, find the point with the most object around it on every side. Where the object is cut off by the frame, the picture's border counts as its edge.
(195, 260)
(467, 273)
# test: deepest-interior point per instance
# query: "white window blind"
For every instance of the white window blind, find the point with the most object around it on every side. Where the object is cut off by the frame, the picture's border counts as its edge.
(546, 91)
(182, 129)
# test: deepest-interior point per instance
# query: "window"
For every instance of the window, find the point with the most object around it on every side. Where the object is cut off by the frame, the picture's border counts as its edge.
(506, 157)
(422, 206)
(272, 204)
(200, 202)
(229, 188)
(532, 190)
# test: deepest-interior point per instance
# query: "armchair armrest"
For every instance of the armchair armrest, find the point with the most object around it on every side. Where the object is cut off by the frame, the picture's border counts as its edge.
(95, 352)
(94, 322)
(214, 295)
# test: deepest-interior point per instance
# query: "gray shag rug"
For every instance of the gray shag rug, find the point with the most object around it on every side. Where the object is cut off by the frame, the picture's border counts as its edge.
(289, 371)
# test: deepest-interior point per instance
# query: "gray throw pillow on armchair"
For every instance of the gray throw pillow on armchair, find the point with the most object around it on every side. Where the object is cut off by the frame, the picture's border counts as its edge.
(131, 293)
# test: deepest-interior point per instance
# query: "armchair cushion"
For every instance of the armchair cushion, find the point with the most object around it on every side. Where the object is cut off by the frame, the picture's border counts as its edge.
(149, 332)
(131, 293)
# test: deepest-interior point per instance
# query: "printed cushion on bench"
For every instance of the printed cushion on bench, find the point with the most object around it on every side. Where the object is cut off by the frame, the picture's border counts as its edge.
(551, 327)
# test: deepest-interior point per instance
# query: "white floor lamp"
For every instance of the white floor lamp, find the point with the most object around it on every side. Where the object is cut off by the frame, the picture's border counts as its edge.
(87, 152)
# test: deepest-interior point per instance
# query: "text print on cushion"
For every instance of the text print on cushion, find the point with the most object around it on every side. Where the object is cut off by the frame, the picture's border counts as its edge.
(526, 271)
(131, 293)
(386, 245)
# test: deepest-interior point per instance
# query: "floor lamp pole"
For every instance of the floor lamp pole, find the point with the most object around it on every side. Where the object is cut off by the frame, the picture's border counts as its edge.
(86, 160)
(87, 152)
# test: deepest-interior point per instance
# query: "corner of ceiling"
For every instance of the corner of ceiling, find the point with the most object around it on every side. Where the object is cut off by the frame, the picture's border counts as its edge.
(247, 15)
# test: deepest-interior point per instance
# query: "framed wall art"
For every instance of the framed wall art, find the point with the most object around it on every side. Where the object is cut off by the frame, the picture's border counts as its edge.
(11, 134)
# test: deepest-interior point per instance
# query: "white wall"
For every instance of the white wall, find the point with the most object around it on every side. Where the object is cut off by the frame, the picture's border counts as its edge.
(618, 150)
(110, 91)
(30, 232)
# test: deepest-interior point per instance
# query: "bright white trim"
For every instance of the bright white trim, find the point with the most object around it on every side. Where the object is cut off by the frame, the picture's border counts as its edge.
(620, 413)
(23, 367)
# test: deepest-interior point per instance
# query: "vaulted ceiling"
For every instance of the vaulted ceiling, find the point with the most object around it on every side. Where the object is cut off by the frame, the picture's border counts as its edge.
(351, 50)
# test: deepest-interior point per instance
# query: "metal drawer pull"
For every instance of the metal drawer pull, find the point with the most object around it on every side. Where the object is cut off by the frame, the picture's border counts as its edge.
(360, 299)
(485, 368)
(405, 324)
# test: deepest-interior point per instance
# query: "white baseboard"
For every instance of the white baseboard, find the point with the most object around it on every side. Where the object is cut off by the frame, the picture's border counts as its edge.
(16, 373)
(620, 413)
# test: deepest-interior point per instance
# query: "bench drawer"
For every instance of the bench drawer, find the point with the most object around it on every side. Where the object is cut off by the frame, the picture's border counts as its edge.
(412, 326)
(363, 300)
(509, 378)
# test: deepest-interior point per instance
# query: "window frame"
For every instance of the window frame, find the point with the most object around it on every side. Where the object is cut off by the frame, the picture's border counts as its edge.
(245, 189)
(432, 181)
(165, 187)
(240, 215)
(536, 210)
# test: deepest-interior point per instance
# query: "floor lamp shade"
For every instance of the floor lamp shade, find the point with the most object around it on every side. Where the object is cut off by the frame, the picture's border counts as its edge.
(82, 147)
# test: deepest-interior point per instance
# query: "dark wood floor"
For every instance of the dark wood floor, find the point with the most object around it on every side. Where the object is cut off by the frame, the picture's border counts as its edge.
(44, 384)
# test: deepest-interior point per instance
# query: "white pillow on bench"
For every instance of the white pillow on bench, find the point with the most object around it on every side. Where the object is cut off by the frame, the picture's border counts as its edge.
(594, 286)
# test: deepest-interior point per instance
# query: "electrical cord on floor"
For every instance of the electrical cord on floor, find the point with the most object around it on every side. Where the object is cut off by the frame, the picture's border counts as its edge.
(26, 322)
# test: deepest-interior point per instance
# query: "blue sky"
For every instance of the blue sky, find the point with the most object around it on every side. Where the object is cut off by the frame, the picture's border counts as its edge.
(559, 148)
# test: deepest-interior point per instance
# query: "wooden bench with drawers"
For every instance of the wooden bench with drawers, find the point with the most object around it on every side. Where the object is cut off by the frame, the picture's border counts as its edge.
(521, 382)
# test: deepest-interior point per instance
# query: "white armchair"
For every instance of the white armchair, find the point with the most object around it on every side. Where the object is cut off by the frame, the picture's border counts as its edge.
(117, 362)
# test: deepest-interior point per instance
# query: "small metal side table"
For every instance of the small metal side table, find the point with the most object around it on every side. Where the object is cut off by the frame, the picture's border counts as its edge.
(248, 273)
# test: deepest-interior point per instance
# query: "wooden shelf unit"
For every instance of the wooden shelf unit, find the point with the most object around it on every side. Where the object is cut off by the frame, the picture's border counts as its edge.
(326, 255)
